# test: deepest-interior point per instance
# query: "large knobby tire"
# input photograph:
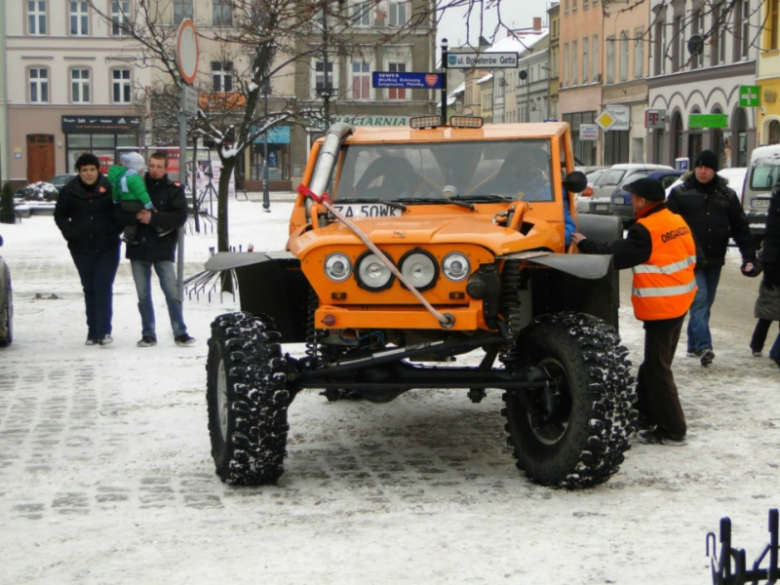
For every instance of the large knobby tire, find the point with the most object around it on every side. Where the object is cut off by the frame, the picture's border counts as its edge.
(6, 306)
(247, 399)
(583, 442)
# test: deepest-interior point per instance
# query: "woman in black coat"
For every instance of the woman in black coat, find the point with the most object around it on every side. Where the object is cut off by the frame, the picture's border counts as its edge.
(85, 215)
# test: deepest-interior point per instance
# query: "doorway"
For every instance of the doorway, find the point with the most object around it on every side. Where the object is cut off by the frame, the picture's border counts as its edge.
(40, 157)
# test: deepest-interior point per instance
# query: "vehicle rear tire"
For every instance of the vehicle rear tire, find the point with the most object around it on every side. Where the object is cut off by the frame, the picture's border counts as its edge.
(247, 399)
(582, 440)
(6, 306)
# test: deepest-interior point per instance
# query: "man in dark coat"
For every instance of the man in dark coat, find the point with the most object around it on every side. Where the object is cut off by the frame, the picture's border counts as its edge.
(714, 213)
(156, 248)
(85, 215)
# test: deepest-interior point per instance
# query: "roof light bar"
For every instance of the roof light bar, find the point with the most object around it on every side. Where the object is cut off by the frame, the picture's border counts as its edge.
(466, 122)
(419, 122)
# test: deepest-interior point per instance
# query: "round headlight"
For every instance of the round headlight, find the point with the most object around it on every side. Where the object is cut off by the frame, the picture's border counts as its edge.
(420, 269)
(456, 266)
(338, 267)
(372, 273)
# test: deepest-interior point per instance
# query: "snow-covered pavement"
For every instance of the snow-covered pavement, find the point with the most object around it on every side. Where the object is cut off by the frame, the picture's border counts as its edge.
(106, 474)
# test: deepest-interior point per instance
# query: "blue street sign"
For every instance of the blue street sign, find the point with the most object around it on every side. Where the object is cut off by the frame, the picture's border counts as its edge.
(406, 80)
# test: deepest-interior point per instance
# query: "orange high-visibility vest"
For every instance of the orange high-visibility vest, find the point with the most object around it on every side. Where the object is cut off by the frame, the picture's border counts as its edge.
(664, 286)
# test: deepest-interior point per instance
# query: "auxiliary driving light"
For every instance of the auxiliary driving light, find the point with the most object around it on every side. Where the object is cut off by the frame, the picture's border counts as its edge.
(420, 269)
(372, 272)
(456, 266)
(338, 267)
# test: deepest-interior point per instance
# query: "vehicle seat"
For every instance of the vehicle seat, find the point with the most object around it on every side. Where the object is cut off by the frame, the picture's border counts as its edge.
(387, 176)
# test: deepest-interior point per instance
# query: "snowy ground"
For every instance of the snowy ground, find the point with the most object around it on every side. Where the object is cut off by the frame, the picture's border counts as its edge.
(106, 475)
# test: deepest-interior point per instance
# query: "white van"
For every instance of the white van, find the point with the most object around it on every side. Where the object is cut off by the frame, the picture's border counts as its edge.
(763, 173)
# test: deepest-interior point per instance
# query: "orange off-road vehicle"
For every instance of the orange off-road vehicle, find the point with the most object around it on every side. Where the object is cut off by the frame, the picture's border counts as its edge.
(411, 246)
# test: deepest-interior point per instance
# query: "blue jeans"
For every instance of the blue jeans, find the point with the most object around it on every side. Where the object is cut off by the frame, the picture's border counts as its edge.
(142, 275)
(97, 273)
(707, 279)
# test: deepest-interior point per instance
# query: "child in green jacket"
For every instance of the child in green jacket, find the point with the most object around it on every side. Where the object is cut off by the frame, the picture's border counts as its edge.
(129, 190)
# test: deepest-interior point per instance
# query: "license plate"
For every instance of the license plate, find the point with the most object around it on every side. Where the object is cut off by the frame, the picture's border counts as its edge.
(759, 203)
(368, 210)
(601, 207)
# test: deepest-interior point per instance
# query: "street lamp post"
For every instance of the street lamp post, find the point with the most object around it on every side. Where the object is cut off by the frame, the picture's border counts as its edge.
(266, 194)
(524, 77)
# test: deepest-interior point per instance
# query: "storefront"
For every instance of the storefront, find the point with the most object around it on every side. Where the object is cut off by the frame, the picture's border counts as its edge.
(278, 161)
(100, 135)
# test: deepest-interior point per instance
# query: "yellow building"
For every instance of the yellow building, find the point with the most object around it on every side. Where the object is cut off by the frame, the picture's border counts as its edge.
(768, 75)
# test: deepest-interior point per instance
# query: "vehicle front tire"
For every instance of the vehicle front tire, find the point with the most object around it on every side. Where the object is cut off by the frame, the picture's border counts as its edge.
(578, 434)
(247, 399)
(6, 306)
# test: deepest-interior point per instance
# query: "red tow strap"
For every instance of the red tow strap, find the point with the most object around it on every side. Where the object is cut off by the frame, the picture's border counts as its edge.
(306, 192)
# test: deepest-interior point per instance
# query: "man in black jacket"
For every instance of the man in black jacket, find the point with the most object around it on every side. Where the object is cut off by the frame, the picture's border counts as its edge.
(713, 212)
(157, 249)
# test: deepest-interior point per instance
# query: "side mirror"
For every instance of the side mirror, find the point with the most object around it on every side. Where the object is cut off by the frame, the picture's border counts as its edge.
(575, 182)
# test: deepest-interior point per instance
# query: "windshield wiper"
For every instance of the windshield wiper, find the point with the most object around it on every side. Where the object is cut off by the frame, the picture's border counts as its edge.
(394, 204)
(465, 204)
(485, 197)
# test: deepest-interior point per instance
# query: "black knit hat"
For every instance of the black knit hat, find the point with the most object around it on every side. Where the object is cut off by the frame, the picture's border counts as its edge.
(650, 189)
(707, 158)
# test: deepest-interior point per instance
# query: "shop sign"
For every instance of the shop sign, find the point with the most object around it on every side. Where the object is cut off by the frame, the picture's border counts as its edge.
(373, 120)
(622, 115)
(100, 124)
(276, 135)
(589, 132)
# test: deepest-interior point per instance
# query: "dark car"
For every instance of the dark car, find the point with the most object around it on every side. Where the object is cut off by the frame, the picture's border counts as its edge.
(620, 200)
(60, 181)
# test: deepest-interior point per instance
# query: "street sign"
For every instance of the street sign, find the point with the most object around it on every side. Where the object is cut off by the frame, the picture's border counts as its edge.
(482, 60)
(655, 119)
(190, 102)
(589, 132)
(406, 80)
(187, 50)
(606, 120)
(749, 96)
(708, 121)
(622, 115)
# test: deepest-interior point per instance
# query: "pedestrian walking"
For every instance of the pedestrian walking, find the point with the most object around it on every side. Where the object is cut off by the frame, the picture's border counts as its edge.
(713, 212)
(155, 248)
(660, 250)
(84, 213)
(771, 257)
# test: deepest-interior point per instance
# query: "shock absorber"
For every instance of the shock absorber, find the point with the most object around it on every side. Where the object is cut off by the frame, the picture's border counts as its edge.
(313, 357)
(511, 280)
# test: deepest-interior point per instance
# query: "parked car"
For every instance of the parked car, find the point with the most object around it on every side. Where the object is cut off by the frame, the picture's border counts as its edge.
(763, 172)
(592, 177)
(603, 187)
(6, 303)
(620, 200)
(60, 181)
(734, 175)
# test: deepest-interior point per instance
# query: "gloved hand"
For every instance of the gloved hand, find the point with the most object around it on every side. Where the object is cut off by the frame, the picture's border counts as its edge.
(750, 269)
(772, 276)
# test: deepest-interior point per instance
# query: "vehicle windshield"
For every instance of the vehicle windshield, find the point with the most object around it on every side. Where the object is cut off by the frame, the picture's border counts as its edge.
(764, 174)
(611, 177)
(437, 171)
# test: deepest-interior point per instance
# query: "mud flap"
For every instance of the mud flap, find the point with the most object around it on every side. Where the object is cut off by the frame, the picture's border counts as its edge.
(270, 283)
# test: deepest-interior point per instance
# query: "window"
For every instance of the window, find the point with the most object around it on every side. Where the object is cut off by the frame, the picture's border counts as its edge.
(678, 47)
(361, 81)
(397, 93)
(585, 70)
(398, 13)
(718, 37)
(222, 76)
(574, 72)
(565, 79)
(741, 29)
(39, 85)
(120, 13)
(697, 28)
(659, 48)
(36, 17)
(79, 18)
(120, 86)
(360, 13)
(565, 5)
(319, 77)
(623, 56)
(221, 13)
(639, 53)
(181, 9)
(574, 4)
(610, 60)
(79, 86)
(595, 59)
(771, 26)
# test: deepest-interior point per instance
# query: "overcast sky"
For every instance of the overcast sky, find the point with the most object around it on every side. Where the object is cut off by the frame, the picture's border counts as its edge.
(514, 13)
